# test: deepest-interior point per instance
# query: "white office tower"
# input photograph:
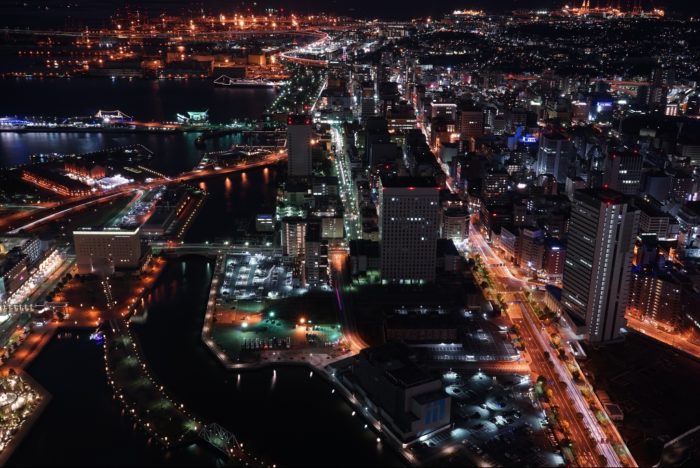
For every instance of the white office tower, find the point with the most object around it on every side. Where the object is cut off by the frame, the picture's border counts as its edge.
(409, 218)
(598, 262)
(299, 145)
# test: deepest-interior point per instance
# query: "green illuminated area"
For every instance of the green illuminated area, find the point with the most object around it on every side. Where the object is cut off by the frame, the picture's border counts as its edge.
(307, 322)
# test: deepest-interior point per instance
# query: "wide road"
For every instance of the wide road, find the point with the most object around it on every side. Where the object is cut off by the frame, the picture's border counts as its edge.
(565, 393)
(353, 229)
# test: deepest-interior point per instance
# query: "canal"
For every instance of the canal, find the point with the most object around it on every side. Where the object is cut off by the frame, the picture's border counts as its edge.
(287, 417)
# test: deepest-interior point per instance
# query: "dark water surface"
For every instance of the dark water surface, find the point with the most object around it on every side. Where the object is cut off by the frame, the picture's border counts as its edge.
(144, 100)
(287, 418)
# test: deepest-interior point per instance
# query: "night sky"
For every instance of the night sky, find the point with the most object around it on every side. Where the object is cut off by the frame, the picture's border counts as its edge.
(59, 13)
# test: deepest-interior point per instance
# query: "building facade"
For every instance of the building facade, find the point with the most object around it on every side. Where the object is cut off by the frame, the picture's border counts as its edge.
(103, 250)
(408, 229)
(598, 262)
(299, 145)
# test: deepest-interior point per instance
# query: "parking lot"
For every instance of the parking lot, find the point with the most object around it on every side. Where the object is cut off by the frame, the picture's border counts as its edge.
(254, 277)
(496, 422)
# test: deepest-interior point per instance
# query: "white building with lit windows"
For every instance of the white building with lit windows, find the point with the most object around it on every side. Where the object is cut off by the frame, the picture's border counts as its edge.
(598, 262)
(409, 222)
(101, 250)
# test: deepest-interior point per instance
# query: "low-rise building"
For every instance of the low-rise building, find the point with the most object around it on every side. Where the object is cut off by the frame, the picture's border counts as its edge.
(102, 250)
(420, 326)
(408, 400)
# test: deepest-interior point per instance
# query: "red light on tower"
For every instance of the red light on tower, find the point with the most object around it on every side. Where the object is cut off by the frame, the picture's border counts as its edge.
(411, 188)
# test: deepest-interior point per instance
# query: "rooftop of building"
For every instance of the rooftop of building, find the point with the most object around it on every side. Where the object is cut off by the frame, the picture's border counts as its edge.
(455, 211)
(430, 397)
(649, 208)
(408, 182)
(555, 134)
(56, 177)
(555, 244)
(418, 322)
(667, 271)
(105, 230)
(603, 195)
(469, 106)
(298, 119)
(395, 359)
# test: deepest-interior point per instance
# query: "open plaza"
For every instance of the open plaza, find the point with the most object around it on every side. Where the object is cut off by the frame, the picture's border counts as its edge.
(259, 310)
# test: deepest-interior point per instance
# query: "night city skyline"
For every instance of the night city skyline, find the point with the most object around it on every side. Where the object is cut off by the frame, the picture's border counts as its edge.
(350, 233)
(57, 13)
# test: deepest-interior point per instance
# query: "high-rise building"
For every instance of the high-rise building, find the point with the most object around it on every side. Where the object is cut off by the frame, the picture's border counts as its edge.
(367, 101)
(652, 220)
(470, 123)
(315, 254)
(598, 262)
(693, 107)
(624, 172)
(663, 76)
(654, 96)
(553, 155)
(455, 223)
(103, 250)
(14, 271)
(530, 253)
(682, 185)
(408, 228)
(495, 185)
(656, 295)
(293, 236)
(299, 145)
(554, 255)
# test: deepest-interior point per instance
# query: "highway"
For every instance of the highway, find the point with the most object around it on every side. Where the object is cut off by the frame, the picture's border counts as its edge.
(121, 191)
(565, 393)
